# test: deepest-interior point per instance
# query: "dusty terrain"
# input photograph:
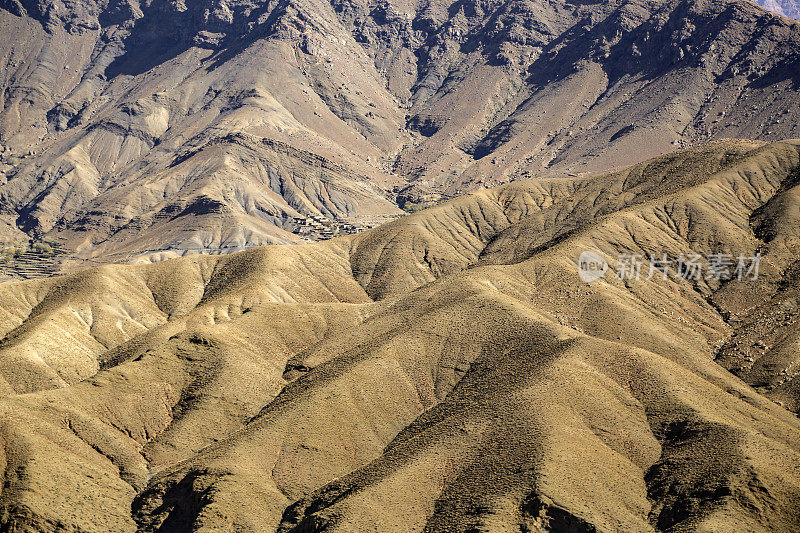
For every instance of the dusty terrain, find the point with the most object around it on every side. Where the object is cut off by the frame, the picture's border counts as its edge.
(444, 370)
(143, 130)
(447, 371)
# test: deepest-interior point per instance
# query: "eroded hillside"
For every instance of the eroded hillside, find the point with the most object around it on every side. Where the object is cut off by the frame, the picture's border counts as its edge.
(447, 371)
(134, 130)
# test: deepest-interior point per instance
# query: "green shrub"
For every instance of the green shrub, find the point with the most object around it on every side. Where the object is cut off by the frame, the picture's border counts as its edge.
(42, 247)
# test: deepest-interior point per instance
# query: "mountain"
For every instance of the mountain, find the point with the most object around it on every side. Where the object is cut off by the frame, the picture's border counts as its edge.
(787, 8)
(143, 130)
(446, 371)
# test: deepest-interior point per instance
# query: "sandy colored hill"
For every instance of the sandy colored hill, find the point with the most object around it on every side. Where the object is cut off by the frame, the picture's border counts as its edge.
(448, 371)
(136, 130)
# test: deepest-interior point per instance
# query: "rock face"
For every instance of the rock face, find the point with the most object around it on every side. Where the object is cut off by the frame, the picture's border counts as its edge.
(447, 371)
(119, 118)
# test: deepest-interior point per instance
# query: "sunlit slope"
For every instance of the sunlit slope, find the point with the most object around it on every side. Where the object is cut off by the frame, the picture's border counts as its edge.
(447, 371)
(130, 129)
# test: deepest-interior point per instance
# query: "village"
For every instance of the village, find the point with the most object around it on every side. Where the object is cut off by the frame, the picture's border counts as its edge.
(320, 228)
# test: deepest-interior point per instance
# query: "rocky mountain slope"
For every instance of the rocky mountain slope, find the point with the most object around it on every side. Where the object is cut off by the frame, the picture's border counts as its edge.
(447, 371)
(149, 129)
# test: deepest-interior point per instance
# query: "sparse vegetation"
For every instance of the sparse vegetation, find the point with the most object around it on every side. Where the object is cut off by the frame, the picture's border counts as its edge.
(425, 362)
(35, 258)
(458, 349)
(42, 248)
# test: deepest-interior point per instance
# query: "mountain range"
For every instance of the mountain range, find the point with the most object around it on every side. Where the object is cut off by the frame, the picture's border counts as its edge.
(143, 130)
(447, 371)
(399, 265)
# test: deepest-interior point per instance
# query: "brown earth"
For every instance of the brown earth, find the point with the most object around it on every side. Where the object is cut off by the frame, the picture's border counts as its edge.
(153, 129)
(447, 371)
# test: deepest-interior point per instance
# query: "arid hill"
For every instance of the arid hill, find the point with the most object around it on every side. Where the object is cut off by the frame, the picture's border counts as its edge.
(152, 129)
(447, 371)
